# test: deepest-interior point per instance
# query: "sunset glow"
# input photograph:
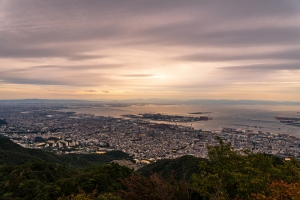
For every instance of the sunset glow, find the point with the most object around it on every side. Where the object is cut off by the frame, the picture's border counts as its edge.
(169, 49)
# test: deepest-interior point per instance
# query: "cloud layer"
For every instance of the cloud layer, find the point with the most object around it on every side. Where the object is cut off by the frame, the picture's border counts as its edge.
(167, 49)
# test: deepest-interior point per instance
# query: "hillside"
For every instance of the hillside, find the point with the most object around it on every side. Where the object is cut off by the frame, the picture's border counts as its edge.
(181, 168)
(228, 174)
(38, 179)
(14, 154)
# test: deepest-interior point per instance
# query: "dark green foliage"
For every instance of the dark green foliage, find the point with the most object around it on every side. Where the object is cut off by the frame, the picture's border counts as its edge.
(41, 180)
(14, 154)
(181, 168)
(39, 139)
(154, 187)
(2, 122)
(31, 180)
(227, 174)
(240, 175)
(7, 144)
(104, 178)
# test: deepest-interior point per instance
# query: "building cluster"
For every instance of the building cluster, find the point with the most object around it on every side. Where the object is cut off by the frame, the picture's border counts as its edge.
(50, 128)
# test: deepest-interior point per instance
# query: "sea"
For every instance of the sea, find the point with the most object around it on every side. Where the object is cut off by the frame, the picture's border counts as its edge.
(240, 117)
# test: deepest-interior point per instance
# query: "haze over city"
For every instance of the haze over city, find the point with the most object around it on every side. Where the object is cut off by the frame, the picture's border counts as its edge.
(182, 50)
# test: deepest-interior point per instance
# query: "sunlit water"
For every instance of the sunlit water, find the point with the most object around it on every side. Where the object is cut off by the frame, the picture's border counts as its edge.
(242, 117)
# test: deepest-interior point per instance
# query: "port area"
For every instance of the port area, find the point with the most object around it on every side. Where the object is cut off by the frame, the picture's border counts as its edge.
(169, 118)
(292, 121)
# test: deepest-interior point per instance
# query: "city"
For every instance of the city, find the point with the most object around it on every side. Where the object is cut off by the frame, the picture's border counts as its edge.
(49, 127)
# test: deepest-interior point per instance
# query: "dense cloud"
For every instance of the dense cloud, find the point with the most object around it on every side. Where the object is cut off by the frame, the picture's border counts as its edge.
(219, 56)
(141, 45)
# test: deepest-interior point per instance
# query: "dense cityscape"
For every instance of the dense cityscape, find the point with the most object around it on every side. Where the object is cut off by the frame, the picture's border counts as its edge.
(50, 127)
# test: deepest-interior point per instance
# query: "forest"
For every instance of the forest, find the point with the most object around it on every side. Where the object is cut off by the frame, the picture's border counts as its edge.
(227, 174)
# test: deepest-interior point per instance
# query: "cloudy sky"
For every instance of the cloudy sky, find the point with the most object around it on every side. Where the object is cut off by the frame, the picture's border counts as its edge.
(170, 49)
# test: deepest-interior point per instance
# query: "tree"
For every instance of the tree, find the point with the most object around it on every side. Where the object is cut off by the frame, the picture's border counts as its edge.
(231, 174)
(281, 190)
(154, 188)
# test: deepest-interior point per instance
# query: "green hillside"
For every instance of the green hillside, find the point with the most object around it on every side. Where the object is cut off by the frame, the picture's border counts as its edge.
(181, 168)
(14, 154)
(39, 180)
(226, 175)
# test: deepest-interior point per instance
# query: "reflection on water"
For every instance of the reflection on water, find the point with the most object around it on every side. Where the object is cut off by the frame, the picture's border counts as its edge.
(255, 117)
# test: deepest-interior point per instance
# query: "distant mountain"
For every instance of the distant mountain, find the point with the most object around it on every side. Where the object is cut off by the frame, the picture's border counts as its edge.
(157, 101)
(42, 101)
(14, 154)
(203, 101)
(153, 100)
(239, 102)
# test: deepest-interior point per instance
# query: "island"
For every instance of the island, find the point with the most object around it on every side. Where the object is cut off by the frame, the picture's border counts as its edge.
(169, 118)
(293, 121)
(199, 113)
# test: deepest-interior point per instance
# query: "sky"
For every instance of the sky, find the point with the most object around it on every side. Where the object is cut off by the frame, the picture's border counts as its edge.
(167, 49)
